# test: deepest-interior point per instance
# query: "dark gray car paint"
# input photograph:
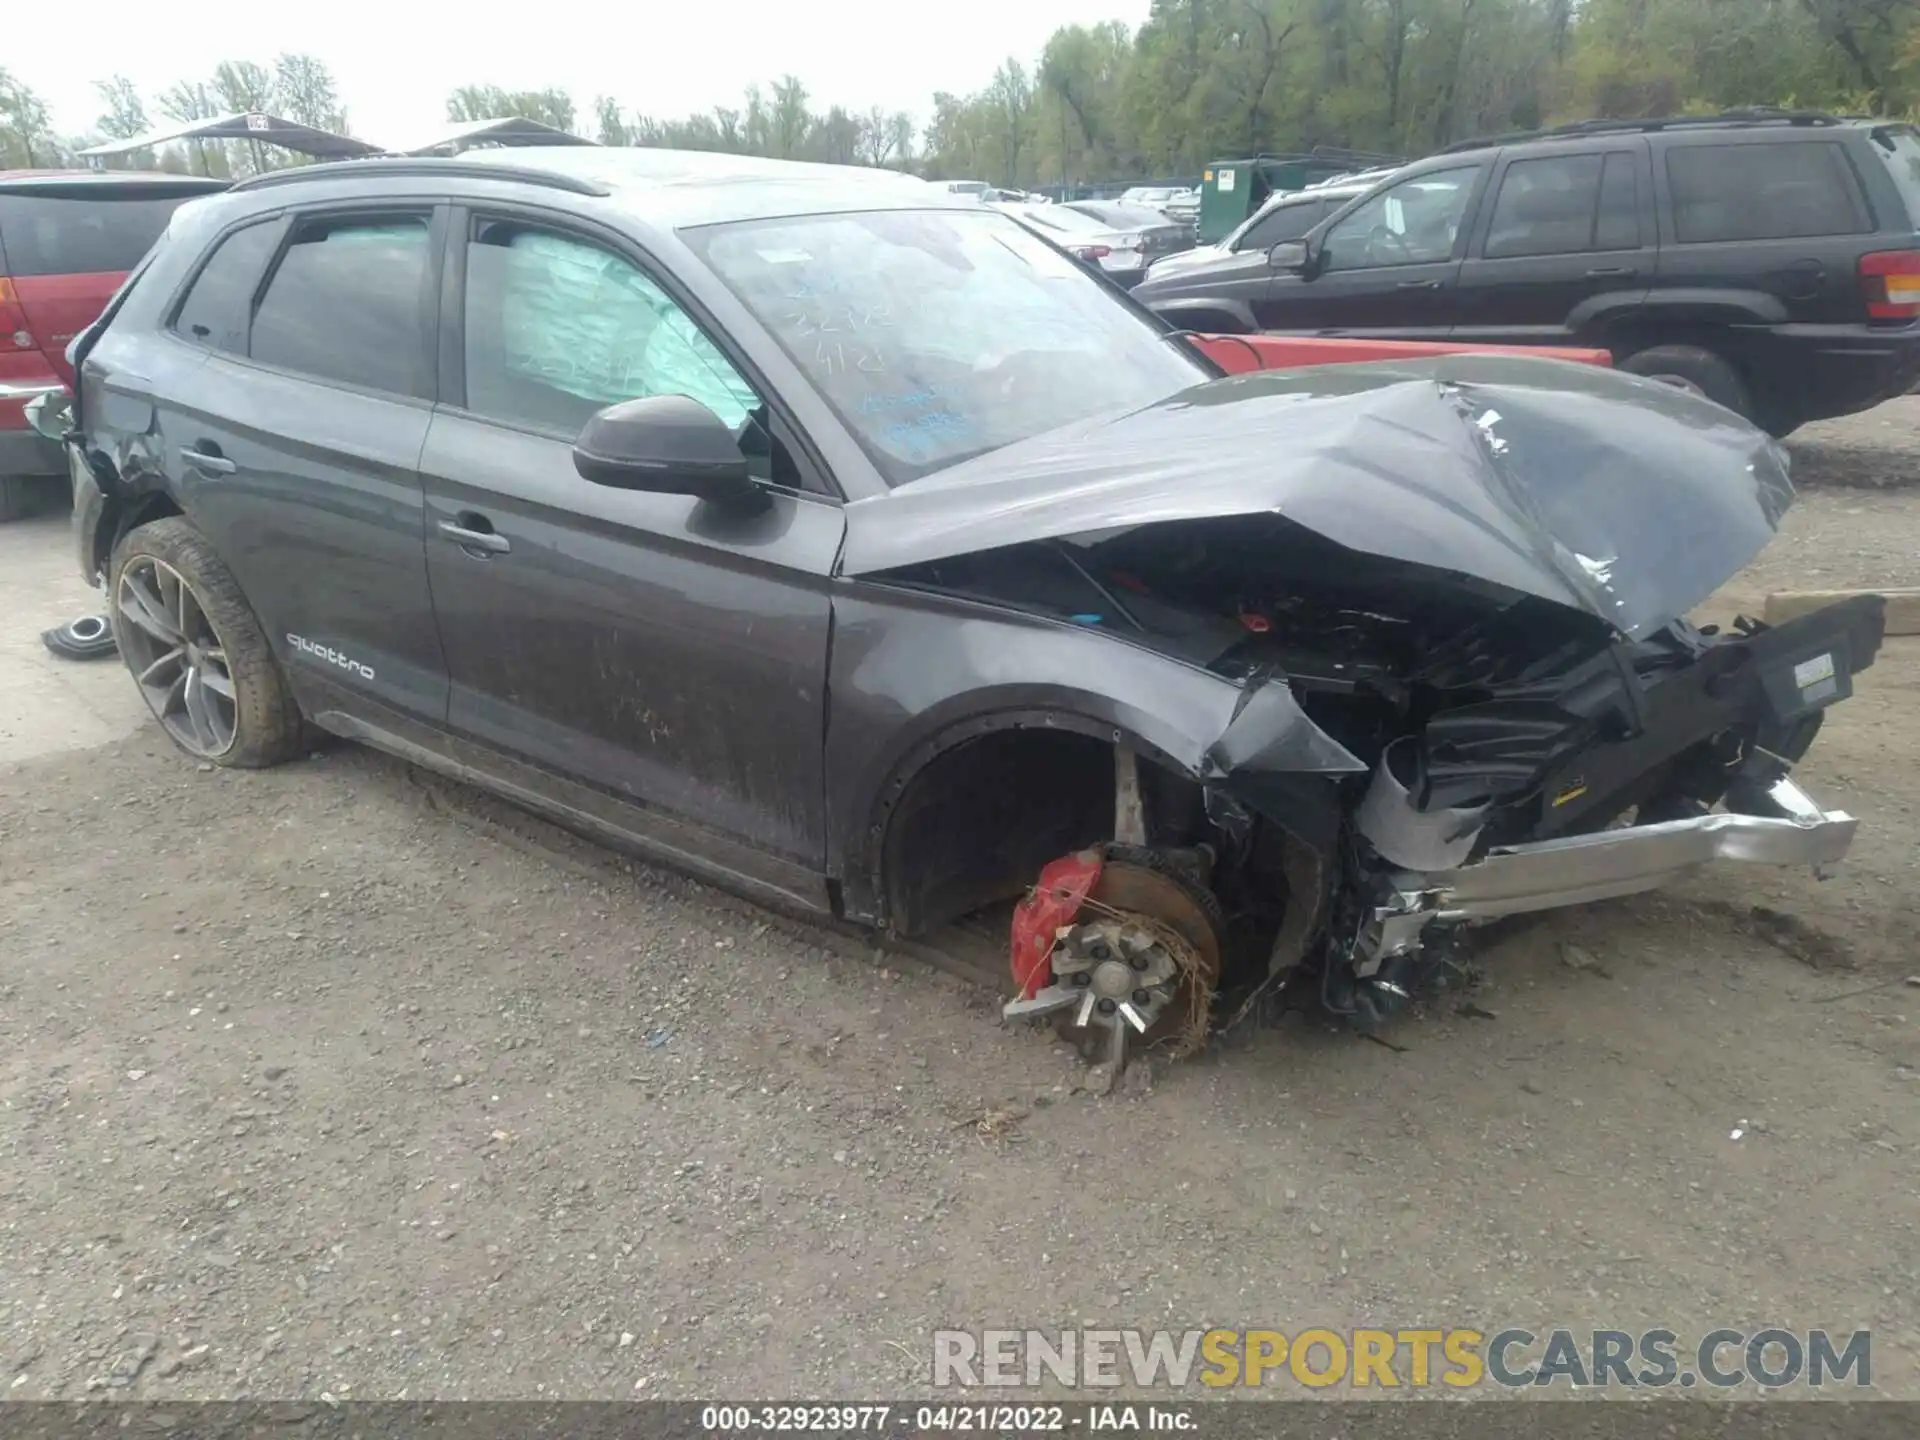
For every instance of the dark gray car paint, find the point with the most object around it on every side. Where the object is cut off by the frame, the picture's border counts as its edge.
(670, 650)
(1622, 497)
(699, 684)
(915, 674)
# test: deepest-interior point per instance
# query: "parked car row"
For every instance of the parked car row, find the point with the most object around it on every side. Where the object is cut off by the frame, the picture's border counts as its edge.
(1123, 240)
(1179, 203)
(1770, 262)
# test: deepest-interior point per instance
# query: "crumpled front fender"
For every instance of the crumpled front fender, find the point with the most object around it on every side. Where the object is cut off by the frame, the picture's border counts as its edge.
(915, 674)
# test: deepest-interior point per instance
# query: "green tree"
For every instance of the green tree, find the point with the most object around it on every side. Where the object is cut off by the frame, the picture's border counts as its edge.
(124, 116)
(303, 90)
(836, 138)
(1007, 106)
(789, 121)
(552, 106)
(610, 123)
(26, 133)
(188, 101)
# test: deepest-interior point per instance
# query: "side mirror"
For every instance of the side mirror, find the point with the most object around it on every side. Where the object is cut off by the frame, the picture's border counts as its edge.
(1289, 255)
(50, 413)
(669, 444)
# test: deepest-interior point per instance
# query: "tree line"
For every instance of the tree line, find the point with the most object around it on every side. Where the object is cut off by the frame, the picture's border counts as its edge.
(1200, 80)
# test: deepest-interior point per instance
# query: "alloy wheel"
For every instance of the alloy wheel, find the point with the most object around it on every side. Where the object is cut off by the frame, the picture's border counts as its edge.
(176, 657)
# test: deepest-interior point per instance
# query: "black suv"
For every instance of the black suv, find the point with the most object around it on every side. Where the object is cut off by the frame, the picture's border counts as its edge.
(841, 540)
(1769, 261)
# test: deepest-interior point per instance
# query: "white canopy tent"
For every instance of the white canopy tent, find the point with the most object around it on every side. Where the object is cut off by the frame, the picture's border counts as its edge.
(245, 125)
(508, 130)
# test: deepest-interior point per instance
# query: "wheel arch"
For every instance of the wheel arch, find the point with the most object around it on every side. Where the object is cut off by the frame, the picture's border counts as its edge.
(1036, 776)
(120, 517)
(981, 802)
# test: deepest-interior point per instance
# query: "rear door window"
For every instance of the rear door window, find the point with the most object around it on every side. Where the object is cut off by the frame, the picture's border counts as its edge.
(1545, 207)
(1617, 226)
(61, 235)
(217, 304)
(348, 303)
(1762, 192)
(1565, 204)
(1283, 222)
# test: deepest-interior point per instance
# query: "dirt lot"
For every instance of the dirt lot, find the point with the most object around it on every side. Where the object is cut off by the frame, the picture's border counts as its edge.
(336, 1079)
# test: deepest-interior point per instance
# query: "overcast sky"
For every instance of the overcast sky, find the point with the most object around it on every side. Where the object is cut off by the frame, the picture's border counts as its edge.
(396, 62)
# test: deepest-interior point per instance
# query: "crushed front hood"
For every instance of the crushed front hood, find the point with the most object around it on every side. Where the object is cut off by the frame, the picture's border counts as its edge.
(1622, 497)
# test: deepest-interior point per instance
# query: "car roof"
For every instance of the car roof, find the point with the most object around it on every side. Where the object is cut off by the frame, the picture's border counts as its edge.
(676, 187)
(1754, 118)
(106, 182)
(1319, 192)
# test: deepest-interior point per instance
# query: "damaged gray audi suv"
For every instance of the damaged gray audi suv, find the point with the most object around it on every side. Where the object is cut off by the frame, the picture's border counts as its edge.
(845, 543)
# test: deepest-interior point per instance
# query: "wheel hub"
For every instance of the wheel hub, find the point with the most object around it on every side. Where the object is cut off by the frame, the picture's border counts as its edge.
(1123, 973)
(1135, 967)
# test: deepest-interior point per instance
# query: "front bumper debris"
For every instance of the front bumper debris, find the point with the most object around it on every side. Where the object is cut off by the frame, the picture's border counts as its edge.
(1579, 869)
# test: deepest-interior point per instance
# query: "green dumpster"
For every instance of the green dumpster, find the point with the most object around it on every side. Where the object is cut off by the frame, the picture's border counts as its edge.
(1231, 190)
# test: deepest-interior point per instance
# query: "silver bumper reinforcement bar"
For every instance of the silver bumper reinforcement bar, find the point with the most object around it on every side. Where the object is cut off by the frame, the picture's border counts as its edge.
(1578, 869)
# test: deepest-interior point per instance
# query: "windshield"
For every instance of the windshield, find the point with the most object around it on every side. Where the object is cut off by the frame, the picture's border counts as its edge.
(940, 335)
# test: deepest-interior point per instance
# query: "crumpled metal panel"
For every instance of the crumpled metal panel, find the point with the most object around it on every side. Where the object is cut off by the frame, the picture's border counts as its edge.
(1622, 497)
(1580, 869)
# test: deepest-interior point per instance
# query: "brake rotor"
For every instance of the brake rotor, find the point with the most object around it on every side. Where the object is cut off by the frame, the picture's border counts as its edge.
(1136, 967)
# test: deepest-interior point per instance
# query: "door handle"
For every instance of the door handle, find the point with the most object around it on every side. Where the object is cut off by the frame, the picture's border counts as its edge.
(1418, 285)
(207, 459)
(470, 537)
(1617, 272)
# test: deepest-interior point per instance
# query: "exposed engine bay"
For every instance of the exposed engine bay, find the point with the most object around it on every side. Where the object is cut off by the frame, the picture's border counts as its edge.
(1513, 746)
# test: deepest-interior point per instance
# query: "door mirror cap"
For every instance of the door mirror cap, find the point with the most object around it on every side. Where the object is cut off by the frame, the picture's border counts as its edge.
(668, 444)
(50, 413)
(1289, 255)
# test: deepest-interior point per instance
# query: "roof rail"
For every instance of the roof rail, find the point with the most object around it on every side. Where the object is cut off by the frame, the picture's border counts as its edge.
(1751, 115)
(425, 166)
(1321, 152)
(1338, 152)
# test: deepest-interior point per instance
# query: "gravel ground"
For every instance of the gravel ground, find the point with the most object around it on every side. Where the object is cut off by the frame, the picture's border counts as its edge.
(336, 1079)
(1877, 450)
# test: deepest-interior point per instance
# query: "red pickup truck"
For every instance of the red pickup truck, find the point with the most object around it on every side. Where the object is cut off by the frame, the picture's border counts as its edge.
(67, 240)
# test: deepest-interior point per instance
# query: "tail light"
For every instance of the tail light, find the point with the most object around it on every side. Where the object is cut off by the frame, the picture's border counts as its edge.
(14, 334)
(1092, 252)
(1890, 283)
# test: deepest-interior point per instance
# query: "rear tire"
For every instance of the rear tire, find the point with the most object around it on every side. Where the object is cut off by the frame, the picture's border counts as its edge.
(239, 713)
(1689, 367)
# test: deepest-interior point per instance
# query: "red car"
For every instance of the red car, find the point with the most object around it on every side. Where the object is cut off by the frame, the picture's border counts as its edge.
(67, 240)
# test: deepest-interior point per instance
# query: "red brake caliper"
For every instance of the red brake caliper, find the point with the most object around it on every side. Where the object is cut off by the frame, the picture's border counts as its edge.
(1056, 898)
